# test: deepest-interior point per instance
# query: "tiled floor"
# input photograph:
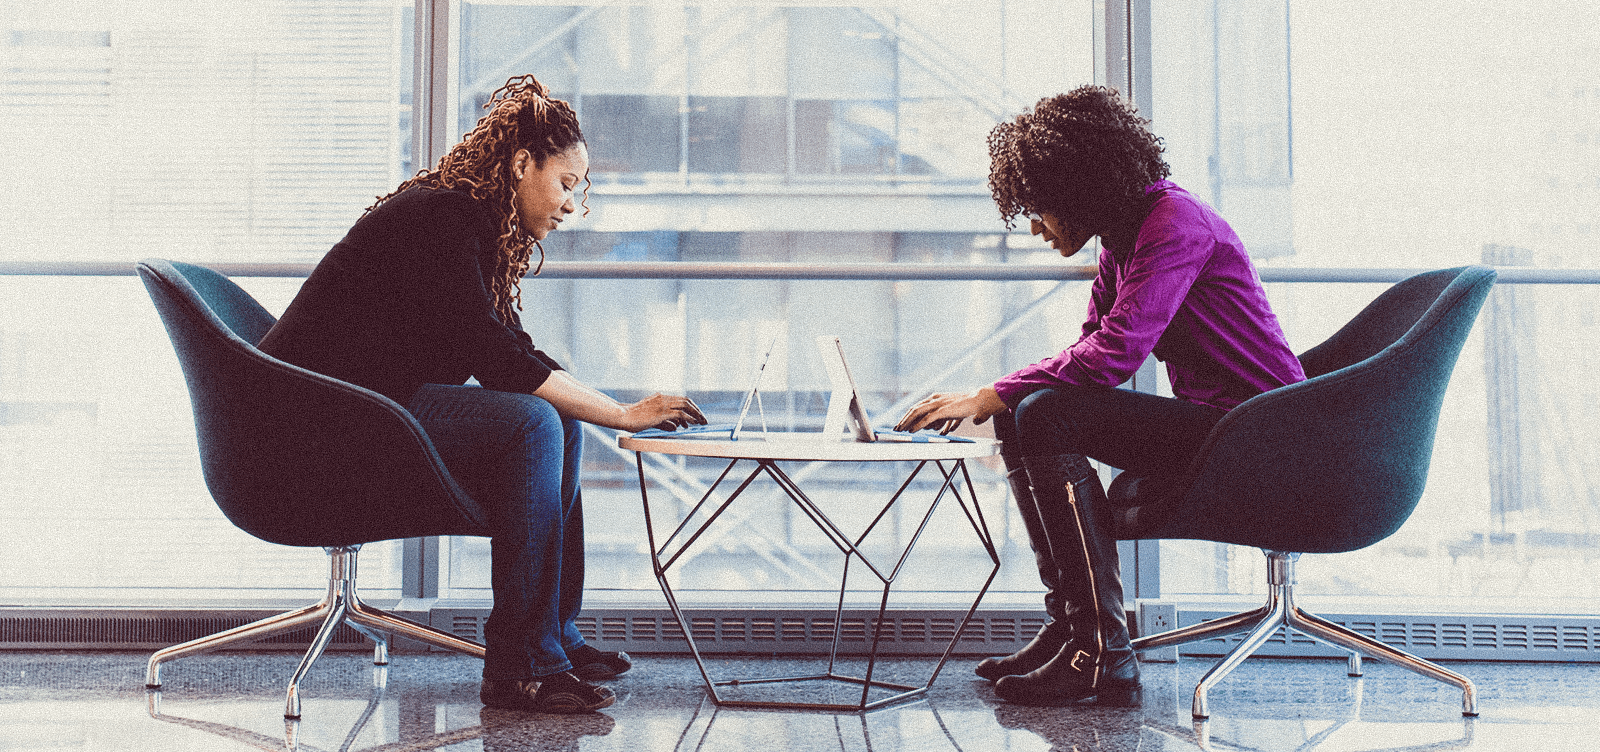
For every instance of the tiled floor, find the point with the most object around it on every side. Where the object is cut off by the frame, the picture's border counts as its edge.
(96, 701)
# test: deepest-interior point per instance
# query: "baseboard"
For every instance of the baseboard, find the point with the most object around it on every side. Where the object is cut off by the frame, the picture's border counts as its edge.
(145, 629)
(636, 630)
(797, 631)
(1468, 637)
(786, 631)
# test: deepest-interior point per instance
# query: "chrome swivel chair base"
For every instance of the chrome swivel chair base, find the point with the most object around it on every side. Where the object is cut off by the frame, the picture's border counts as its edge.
(339, 606)
(1280, 610)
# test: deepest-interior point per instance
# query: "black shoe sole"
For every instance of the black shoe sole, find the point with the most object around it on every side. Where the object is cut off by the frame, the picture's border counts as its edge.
(546, 699)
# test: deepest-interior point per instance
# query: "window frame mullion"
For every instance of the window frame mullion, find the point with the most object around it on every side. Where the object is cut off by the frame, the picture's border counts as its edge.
(434, 94)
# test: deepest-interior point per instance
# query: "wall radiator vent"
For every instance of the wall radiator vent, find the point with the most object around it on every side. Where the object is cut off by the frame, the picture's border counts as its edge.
(801, 631)
(113, 630)
(1507, 637)
(786, 631)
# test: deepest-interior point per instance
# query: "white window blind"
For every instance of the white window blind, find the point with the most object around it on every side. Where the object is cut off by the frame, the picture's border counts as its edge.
(226, 130)
(220, 130)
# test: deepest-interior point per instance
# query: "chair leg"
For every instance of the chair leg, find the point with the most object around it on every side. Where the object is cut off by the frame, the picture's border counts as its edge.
(339, 606)
(319, 643)
(1201, 707)
(256, 630)
(1227, 625)
(1260, 623)
(1358, 643)
(1281, 611)
(378, 619)
(378, 624)
(380, 640)
(346, 608)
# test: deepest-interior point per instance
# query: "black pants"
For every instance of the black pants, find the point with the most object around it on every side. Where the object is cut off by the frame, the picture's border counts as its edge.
(1128, 430)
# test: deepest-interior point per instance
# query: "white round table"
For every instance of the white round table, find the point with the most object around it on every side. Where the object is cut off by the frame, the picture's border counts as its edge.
(799, 447)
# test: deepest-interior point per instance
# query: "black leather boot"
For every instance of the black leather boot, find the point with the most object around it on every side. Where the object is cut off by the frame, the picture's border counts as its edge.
(1098, 660)
(1055, 632)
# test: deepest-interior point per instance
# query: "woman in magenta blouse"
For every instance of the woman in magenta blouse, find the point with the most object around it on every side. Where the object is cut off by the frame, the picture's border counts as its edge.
(1174, 281)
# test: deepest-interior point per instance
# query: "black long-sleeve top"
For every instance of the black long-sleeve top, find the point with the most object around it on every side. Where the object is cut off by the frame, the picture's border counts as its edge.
(402, 301)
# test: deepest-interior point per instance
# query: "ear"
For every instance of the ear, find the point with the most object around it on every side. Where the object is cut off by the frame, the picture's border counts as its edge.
(520, 162)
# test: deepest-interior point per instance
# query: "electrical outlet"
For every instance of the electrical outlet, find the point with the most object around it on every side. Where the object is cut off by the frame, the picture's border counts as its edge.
(1160, 618)
(1155, 618)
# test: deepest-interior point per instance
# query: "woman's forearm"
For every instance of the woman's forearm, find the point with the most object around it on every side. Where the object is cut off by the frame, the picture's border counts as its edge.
(579, 401)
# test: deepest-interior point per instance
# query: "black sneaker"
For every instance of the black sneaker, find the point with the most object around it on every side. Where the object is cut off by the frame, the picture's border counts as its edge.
(556, 693)
(592, 664)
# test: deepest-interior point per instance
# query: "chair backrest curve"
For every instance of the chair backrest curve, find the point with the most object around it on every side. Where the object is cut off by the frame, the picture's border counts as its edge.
(1380, 323)
(289, 455)
(1338, 461)
(228, 302)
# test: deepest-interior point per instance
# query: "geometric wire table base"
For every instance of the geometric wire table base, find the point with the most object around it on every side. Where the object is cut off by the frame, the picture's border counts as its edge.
(955, 476)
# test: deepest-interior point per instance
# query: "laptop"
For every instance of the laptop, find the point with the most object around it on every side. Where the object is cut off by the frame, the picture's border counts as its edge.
(845, 412)
(725, 430)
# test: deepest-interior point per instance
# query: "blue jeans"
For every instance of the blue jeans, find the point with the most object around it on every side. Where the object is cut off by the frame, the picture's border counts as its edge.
(515, 455)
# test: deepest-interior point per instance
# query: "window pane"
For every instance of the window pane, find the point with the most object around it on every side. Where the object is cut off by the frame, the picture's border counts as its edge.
(632, 133)
(1397, 138)
(702, 337)
(776, 132)
(104, 499)
(237, 130)
(249, 130)
(737, 134)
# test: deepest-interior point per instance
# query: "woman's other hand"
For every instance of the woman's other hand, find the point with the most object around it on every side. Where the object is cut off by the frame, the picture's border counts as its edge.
(946, 411)
(663, 411)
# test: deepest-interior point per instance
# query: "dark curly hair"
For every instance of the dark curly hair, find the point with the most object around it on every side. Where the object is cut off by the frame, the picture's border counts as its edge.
(522, 115)
(1085, 157)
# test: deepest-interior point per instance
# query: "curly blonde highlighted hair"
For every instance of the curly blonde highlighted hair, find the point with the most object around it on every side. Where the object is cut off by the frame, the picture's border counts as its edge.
(522, 115)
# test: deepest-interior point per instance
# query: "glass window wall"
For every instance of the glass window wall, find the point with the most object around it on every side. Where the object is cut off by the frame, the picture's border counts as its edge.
(777, 132)
(237, 131)
(1348, 136)
(1360, 135)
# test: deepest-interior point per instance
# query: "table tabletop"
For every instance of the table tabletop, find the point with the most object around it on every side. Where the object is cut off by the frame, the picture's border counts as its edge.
(801, 447)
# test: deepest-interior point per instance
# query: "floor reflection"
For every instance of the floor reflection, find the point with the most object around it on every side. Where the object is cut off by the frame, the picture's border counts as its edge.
(291, 739)
(1089, 729)
(915, 725)
(235, 702)
(1307, 736)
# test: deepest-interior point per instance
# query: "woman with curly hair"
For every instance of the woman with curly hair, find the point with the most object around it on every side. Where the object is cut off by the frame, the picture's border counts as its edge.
(423, 293)
(1174, 281)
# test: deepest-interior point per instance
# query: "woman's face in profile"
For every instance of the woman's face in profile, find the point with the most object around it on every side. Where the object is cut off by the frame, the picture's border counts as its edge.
(1066, 239)
(545, 195)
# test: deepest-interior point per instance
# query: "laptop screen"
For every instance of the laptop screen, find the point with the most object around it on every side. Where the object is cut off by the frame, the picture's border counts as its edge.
(844, 405)
(754, 395)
